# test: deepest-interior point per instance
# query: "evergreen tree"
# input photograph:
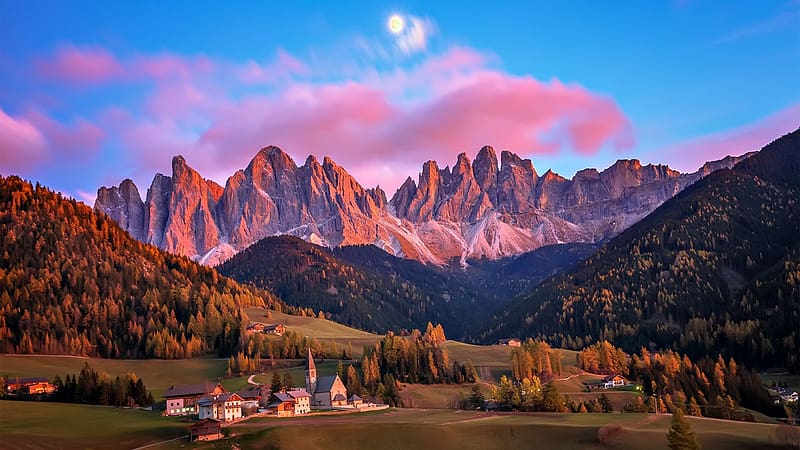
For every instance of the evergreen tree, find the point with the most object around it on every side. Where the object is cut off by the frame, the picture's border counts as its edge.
(476, 397)
(680, 435)
(276, 385)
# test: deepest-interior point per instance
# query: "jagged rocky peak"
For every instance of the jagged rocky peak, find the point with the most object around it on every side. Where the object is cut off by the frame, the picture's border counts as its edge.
(587, 175)
(124, 205)
(485, 167)
(482, 207)
(509, 161)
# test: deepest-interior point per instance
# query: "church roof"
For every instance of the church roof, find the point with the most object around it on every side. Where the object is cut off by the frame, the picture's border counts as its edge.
(311, 365)
(325, 384)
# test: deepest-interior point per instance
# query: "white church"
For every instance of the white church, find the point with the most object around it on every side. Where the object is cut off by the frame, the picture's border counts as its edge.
(325, 391)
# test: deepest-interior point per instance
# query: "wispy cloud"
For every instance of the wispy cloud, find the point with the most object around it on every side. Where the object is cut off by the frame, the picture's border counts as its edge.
(783, 20)
(414, 37)
(687, 156)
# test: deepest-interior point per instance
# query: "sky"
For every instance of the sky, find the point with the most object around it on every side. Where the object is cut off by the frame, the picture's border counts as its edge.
(92, 93)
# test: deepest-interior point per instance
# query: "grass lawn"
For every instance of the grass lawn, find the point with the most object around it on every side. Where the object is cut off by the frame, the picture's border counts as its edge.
(321, 329)
(576, 383)
(59, 425)
(416, 428)
(158, 374)
(434, 395)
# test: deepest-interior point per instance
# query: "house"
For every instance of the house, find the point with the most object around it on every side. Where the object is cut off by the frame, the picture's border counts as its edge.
(251, 400)
(30, 386)
(302, 401)
(325, 391)
(355, 400)
(282, 404)
(182, 400)
(513, 342)
(255, 327)
(787, 395)
(277, 329)
(613, 381)
(225, 407)
(205, 430)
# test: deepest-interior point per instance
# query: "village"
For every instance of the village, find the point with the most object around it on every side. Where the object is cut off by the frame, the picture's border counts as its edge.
(215, 407)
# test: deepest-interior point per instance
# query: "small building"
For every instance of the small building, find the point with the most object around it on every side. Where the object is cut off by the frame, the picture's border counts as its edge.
(251, 399)
(787, 395)
(255, 327)
(302, 401)
(225, 407)
(30, 386)
(613, 381)
(513, 342)
(182, 400)
(281, 404)
(277, 329)
(205, 430)
(355, 400)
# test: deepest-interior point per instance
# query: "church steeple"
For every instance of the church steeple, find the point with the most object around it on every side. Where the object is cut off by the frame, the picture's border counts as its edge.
(311, 374)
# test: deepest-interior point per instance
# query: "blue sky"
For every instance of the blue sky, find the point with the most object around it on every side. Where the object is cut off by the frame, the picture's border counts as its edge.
(94, 92)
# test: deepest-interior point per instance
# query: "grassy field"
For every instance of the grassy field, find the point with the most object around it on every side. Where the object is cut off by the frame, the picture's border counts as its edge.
(39, 425)
(404, 428)
(321, 329)
(157, 374)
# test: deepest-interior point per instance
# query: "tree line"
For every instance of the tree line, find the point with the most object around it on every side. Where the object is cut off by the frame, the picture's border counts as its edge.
(72, 282)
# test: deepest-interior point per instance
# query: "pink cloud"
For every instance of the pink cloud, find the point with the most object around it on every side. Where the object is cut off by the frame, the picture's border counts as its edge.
(96, 65)
(170, 66)
(380, 125)
(81, 65)
(22, 145)
(687, 156)
(362, 129)
(36, 141)
(284, 66)
(77, 140)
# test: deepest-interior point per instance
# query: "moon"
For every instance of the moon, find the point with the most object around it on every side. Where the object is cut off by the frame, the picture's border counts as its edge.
(396, 23)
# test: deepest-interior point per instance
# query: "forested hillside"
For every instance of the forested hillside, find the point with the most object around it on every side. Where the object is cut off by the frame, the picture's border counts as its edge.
(715, 269)
(72, 282)
(367, 288)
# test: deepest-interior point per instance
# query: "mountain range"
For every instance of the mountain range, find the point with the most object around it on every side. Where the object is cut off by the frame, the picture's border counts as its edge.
(716, 269)
(480, 209)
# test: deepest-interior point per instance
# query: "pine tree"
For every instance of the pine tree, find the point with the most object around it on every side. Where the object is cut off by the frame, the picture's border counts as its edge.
(476, 397)
(276, 384)
(680, 435)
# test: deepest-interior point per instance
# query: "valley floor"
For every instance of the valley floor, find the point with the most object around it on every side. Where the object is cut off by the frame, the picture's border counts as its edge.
(46, 425)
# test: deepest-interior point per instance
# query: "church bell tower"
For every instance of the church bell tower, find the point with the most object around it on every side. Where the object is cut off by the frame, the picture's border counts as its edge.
(311, 374)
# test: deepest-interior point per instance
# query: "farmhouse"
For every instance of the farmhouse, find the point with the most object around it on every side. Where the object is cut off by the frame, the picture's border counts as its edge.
(302, 401)
(277, 329)
(613, 381)
(250, 399)
(225, 407)
(255, 327)
(325, 391)
(513, 342)
(355, 400)
(31, 386)
(205, 430)
(182, 400)
(282, 404)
